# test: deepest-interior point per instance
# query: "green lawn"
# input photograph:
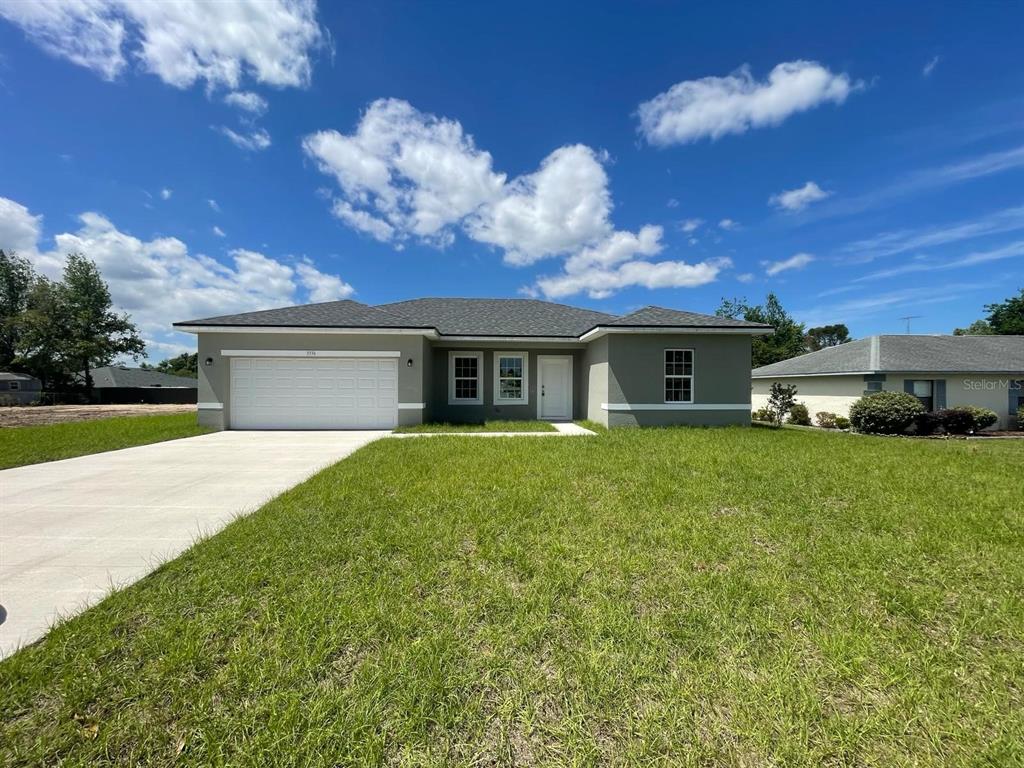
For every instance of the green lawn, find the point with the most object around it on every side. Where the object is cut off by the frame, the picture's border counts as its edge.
(487, 426)
(670, 597)
(32, 445)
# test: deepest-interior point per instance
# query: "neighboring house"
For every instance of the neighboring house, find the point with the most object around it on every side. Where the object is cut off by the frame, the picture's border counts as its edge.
(119, 384)
(19, 389)
(941, 371)
(343, 364)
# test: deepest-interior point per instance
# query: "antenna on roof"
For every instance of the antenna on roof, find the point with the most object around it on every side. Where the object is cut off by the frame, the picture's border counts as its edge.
(908, 318)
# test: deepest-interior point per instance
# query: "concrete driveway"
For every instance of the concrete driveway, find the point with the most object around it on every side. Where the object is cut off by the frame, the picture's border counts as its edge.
(71, 530)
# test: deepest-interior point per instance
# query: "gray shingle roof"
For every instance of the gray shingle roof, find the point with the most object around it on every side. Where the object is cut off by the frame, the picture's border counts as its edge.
(927, 354)
(469, 317)
(498, 317)
(331, 314)
(117, 376)
(652, 316)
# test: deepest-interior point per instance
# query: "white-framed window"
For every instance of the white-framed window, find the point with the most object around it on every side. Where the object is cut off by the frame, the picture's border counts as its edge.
(511, 378)
(678, 375)
(465, 378)
(924, 390)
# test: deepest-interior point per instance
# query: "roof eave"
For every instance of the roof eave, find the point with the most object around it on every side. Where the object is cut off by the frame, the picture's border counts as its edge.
(600, 330)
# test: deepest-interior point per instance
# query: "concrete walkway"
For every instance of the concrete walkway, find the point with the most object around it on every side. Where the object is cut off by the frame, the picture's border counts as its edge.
(562, 429)
(72, 530)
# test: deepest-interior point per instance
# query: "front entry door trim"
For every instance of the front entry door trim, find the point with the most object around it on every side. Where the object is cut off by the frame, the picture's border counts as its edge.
(547, 405)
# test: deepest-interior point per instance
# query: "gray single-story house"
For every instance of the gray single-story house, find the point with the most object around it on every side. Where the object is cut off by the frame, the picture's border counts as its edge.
(941, 371)
(19, 388)
(116, 384)
(347, 365)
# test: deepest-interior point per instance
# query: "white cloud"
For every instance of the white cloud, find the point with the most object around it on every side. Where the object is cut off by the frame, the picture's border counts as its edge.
(798, 261)
(600, 283)
(556, 210)
(159, 281)
(19, 229)
(800, 198)
(1008, 251)
(219, 232)
(179, 41)
(247, 101)
(902, 241)
(254, 141)
(406, 174)
(930, 65)
(712, 107)
(322, 287)
(214, 206)
(746, 277)
(728, 224)
(892, 302)
(690, 225)
(672, 203)
(165, 193)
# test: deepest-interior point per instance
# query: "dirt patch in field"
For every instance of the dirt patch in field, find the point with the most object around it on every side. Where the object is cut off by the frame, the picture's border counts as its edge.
(35, 415)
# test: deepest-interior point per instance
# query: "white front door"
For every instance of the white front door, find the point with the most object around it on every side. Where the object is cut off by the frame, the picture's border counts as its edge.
(317, 393)
(554, 382)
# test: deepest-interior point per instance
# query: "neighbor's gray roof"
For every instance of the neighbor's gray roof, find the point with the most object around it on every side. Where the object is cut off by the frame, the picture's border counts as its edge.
(926, 354)
(469, 317)
(652, 316)
(117, 376)
(10, 376)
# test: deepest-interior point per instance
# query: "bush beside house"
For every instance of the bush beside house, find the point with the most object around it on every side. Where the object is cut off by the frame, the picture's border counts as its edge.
(893, 413)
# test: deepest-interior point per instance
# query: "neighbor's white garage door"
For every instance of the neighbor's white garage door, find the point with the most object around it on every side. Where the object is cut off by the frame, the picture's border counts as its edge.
(317, 393)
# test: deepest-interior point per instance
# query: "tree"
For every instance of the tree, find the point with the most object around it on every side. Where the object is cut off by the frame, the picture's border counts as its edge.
(42, 336)
(826, 336)
(781, 398)
(16, 282)
(977, 328)
(96, 334)
(786, 342)
(183, 365)
(1005, 318)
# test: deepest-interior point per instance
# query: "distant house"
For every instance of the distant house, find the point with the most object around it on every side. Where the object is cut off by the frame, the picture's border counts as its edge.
(19, 389)
(120, 384)
(941, 371)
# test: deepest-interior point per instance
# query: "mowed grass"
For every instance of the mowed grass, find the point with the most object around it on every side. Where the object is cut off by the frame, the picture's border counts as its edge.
(33, 445)
(661, 597)
(487, 426)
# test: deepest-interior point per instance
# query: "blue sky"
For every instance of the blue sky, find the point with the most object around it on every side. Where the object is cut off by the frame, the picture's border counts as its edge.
(864, 163)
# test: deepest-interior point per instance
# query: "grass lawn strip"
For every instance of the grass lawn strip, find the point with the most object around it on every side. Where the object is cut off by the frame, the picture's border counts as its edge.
(33, 445)
(671, 597)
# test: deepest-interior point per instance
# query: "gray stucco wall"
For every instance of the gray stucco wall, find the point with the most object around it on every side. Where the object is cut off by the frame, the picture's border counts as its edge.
(595, 380)
(214, 387)
(721, 375)
(439, 409)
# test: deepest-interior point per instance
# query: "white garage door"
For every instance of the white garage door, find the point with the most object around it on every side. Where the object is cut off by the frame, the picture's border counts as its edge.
(318, 393)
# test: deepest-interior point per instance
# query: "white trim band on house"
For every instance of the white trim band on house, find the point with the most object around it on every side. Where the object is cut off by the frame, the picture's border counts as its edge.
(349, 353)
(800, 375)
(210, 406)
(675, 406)
(411, 406)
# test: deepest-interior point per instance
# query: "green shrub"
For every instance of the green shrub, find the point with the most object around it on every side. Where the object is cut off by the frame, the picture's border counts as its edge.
(983, 417)
(842, 422)
(825, 419)
(965, 419)
(887, 413)
(781, 397)
(761, 414)
(799, 415)
(927, 423)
